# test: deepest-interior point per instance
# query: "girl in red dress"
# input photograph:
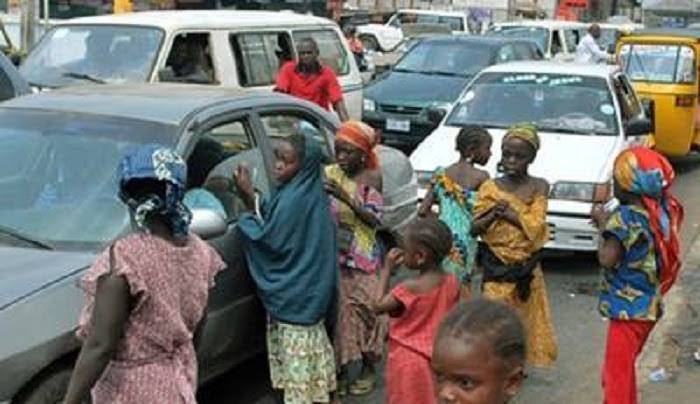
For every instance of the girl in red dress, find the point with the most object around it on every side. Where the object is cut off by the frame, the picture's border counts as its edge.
(416, 307)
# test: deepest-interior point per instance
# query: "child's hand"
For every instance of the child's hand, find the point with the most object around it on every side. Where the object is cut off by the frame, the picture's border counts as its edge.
(394, 259)
(599, 216)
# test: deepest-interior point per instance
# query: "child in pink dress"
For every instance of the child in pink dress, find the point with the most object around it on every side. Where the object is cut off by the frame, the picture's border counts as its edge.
(416, 306)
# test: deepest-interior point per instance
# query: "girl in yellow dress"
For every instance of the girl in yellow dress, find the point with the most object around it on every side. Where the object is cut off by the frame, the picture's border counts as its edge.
(510, 214)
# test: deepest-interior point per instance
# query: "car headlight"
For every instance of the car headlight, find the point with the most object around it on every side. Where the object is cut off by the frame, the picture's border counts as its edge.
(581, 191)
(369, 105)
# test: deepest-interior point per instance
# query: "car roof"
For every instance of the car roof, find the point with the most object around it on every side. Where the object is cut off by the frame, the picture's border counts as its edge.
(169, 104)
(543, 23)
(553, 67)
(430, 12)
(492, 41)
(213, 19)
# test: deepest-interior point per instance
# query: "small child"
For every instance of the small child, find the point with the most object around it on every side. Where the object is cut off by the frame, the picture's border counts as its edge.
(453, 190)
(640, 256)
(416, 306)
(479, 355)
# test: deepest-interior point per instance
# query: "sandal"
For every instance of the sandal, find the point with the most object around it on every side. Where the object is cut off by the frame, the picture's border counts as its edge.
(363, 386)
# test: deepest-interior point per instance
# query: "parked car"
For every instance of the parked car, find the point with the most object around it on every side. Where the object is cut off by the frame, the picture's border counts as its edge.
(60, 150)
(238, 49)
(12, 84)
(556, 39)
(387, 37)
(586, 114)
(431, 75)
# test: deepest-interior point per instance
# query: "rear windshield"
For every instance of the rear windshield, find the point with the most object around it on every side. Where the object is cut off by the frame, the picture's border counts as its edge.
(658, 63)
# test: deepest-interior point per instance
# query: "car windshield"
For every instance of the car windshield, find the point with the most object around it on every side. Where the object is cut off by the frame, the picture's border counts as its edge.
(538, 35)
(93, 53)
(658, 63)
(58, 175)
(450, 58)
(555, 102)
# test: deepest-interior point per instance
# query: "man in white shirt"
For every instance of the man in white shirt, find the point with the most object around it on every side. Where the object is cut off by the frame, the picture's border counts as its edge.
(588, 50)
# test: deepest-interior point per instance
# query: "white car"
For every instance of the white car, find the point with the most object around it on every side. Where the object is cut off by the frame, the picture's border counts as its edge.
(556, 39)
(586, 114)
(387, 37)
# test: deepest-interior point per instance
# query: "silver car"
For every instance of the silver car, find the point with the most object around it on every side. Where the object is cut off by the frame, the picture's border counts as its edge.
(59, 208)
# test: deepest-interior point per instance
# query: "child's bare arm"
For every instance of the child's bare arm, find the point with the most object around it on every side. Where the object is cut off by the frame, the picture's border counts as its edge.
(610, 253)
(384, 302)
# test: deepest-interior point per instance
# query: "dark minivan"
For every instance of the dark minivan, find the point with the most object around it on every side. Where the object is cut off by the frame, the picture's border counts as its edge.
(408, 101)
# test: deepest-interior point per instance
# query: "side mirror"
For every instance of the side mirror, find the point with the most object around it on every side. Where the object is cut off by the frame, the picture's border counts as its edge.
(649, 107)
(638, 127)
(207, 223)
(436, 115)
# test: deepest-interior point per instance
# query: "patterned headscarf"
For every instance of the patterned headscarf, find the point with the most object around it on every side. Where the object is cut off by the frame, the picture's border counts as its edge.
(648, 174)
(526, 132)
(162, 164)
(362, 136)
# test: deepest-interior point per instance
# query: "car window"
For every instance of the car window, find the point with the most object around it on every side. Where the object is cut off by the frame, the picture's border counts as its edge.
(455, 23)
(189, 60)
(331, 49)
(556, 43)
(526, 52)
(280, 125)
(629, 105)
(214, 158)
(259, 56)
(506, 54)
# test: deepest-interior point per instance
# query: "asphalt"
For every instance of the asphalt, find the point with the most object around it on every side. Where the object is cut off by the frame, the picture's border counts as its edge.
(571, 281)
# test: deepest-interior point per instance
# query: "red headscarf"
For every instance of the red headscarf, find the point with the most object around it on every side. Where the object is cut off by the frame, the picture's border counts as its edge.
(648, 174)
(362, 136)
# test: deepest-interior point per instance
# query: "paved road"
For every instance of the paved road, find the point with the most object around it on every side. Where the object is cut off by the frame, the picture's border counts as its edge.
(571, 281)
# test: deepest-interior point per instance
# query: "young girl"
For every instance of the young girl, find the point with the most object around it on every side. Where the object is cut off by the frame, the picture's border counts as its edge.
(640, 256)
(479, 354)
(356, 185)
(454, 191)
(292, 258)
(146, 294)
(511, 219)
(416, 306)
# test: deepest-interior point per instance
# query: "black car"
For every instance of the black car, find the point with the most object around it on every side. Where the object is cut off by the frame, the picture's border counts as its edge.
(408, 101)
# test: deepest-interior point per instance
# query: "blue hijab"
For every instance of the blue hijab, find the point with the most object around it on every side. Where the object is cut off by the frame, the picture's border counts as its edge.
(292, 251)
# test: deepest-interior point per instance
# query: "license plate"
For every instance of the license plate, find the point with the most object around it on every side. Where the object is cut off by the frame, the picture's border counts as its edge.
(398, 125)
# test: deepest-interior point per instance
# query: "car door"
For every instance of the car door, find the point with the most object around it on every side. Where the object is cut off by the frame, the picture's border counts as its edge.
(218, 144)
(12, 84)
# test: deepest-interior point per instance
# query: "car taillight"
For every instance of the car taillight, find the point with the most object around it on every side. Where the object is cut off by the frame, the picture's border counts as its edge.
(685, 101)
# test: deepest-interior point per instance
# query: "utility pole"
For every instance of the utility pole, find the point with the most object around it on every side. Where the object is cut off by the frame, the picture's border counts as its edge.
(29, 13)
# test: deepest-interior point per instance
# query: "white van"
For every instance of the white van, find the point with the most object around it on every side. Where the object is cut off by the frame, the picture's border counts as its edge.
(557, 39)
(240, 49)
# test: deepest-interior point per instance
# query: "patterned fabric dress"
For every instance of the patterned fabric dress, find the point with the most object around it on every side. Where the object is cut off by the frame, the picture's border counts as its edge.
(155, 360)
(514, 246)
(359, 330)
(411, 338)
(456, 205)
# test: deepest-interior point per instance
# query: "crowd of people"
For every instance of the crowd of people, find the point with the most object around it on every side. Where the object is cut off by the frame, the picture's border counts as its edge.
(324, 268)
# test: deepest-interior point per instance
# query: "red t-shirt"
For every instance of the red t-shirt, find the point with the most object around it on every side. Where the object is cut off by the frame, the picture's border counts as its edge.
(321, 88)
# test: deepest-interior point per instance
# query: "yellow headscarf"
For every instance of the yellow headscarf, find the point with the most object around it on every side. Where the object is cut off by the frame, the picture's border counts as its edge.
(526, 132)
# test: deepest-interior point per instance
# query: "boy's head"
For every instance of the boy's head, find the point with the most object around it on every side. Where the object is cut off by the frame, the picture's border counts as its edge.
(289, 157)
(474, 144)
(479, 354)
(426, 242)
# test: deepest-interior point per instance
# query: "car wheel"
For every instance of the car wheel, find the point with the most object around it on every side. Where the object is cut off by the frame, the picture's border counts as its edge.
(369, 42)
(49, 388)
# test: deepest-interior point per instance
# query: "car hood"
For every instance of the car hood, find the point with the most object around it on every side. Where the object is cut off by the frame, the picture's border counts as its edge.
(562, 157)
(417, 89)
(25, 271)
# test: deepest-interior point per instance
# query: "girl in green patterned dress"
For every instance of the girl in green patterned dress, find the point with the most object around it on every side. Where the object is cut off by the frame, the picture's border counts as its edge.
(453, 191)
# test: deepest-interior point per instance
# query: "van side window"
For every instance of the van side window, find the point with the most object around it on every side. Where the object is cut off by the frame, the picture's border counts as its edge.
(259, 56)
(331, 49)
(189, 60)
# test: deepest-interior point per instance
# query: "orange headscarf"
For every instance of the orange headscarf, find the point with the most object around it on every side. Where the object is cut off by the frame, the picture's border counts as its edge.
(362, 136)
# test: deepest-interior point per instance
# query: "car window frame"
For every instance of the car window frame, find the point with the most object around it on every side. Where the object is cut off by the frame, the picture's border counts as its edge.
(167, 47)
(239, 62)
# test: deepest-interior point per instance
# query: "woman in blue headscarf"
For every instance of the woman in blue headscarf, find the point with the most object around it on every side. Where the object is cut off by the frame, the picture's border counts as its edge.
(290, 246)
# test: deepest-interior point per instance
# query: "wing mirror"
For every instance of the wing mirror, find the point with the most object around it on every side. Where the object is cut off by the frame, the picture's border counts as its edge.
(207, 223)
(436, 115)
(649, 107)
(638, 127)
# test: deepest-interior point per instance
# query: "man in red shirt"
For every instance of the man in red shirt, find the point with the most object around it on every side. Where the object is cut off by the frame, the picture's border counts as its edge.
(312, 81)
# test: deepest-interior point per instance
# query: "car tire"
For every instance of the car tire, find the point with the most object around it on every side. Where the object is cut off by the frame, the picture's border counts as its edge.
(370, 42)
(49, 388)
